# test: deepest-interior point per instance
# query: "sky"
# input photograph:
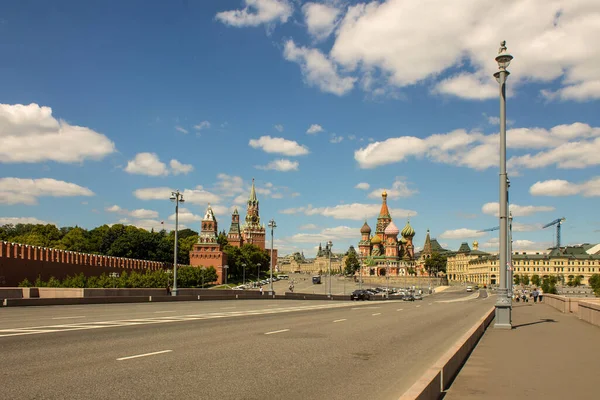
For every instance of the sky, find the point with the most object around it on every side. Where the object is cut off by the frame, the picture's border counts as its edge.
(106, 107)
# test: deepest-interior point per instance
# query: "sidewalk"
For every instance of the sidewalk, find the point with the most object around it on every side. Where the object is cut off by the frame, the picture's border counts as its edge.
(547, 355)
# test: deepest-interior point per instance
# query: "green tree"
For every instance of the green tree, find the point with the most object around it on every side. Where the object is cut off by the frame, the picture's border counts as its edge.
(352, 263)
(525, 279)
(517, 279)
(222, 239)
(594, 282)
(570, 281)
(536, 280)
(549, 284)
(435, 264)
(76, 239)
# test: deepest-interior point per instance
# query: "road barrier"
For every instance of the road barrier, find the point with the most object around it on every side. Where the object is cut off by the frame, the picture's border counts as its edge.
(432, 384)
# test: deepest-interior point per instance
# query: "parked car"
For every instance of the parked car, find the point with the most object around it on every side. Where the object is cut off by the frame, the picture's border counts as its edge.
(469, 288)
(408, 297)
(360, 295)
(417, 296)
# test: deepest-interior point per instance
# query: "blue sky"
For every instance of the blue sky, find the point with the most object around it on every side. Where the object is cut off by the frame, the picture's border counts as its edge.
(105, 107)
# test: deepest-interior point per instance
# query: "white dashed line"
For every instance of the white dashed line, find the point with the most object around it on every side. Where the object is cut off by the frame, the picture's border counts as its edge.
(160, 312)
(81, 316)
(400, 309)
(144, 355)
(339, 320)
(282, 330)
(418, 306)
(377, 313)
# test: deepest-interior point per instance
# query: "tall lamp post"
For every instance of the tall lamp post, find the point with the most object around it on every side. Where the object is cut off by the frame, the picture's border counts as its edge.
(272, 225)
(503, 303)
(177, 197)
(330, 244)
(226, 268)
(509, 278)
(244, 276)
(257, 274)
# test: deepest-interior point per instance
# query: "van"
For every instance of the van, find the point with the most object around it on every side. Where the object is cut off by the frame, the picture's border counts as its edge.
(469, 288)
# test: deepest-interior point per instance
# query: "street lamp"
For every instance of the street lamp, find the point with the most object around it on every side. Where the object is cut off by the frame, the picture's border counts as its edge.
(257, 274)
(271, 225)
(177, 197)
(226, 268)
(330, 244)
(387, 277)
(244, 276)
(509, 278)
(503, 303)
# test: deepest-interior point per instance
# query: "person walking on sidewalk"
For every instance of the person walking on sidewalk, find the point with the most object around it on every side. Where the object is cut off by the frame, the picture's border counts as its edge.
(540, 294)
(535, 295)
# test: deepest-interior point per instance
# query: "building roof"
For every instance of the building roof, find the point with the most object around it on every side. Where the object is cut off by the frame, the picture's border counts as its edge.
(384, 212)
(392, 229)
(365, 228)
(408, 230)
(252, 198)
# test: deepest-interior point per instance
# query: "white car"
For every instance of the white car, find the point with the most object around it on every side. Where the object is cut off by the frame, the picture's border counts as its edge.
(469, 288)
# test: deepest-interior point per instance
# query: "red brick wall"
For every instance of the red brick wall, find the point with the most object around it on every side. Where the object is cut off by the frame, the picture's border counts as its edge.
(20, 261)
(209, 256)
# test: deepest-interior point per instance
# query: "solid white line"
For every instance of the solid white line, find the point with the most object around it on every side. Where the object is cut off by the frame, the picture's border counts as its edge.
(400, 309)
(82, 316)
(418, 306)
(377, 313)
(283, 330)
(339, 320)
(160, 312)
(144, 355)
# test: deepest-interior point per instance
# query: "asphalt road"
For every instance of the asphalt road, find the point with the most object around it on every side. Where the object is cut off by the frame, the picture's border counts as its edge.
(250, 349)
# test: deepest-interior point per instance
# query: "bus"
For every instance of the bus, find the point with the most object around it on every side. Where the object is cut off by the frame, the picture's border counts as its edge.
(316, 279)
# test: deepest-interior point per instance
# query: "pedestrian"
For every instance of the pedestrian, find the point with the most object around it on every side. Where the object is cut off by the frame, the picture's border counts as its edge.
(168, 289)
(261, 290)
(540, 294)
(535, 295)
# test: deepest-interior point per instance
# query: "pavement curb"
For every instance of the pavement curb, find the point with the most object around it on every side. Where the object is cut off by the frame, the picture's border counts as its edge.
(438, 378)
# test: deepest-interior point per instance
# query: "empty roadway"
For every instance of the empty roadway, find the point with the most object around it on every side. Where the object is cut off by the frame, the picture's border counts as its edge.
(251, 349)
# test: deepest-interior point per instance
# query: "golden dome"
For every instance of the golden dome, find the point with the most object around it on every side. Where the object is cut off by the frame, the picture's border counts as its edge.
(375, 239)
(384, 194)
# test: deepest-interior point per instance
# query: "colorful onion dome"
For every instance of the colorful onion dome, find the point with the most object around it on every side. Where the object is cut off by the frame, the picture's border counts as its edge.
(392, 229)
(408, 230)
(365, 228)
(402, 239)
(376, 240)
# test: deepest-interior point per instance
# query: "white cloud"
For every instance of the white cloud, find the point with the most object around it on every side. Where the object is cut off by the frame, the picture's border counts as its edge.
(282, 165)
(314, 128)
(278, 145)
(478, 151)
(30, 134)
(192, 196)
(354, 211)
(559, 187)
(146, 164)
(519, 227)
(21, 220)
(362, 186)
(279, 128)
(517, 210)
(320, 19)
(149, 224)
(372, 36)
(140, 213)
(335, 139)
(202, 125)
(399, 189)
(229, 185)
(338, 232)
(181, 129)
(257, 12)
(308, 227)
(461, 233)
(149, 164)
(186, 215)
(27, 191)
(318, 70)
(179, 168)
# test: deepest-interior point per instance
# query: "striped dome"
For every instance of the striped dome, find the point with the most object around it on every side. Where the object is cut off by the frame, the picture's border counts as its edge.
(408, 230)
(392, 229)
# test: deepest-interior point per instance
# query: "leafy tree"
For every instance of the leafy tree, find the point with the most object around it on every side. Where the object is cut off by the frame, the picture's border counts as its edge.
(247, 254)
(411, 271)
(352, 263)
(435, 264)
(76, 239)
(570, 281)
(577, 280)
(222, 239)
(517, 279)
(535, 280)
(525, 279)
(549, 284)
(594, 282)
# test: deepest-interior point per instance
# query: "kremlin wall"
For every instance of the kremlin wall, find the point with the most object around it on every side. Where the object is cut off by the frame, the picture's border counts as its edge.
(21, 261)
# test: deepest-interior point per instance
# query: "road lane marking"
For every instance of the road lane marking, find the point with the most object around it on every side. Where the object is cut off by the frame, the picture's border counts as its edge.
(400, 309)
(418, 306)
(340, 320)
(282, 330)
(81, 316)
(377, 313)
(160, 312)
(227, 308)
(144, 355)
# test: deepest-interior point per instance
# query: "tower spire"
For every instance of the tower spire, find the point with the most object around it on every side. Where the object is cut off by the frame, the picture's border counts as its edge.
(253, 194)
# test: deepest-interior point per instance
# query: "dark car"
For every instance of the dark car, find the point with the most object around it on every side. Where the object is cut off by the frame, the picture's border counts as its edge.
(408, 297)
(360, 295)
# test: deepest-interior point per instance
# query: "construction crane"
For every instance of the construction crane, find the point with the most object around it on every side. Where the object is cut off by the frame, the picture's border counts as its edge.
(558, 222)
(490, 229)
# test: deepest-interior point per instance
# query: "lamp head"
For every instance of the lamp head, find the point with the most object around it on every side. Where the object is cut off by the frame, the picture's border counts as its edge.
(330, 243)
(181, 200)
(503, 58)
(172, 198)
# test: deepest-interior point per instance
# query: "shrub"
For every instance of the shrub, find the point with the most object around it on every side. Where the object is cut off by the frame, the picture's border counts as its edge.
(25, 283)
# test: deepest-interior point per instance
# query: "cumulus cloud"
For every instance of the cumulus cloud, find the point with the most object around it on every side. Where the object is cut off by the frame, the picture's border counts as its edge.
(321, 19)
(31, 134)
(318, 70)
(140, 213)
(192, 196)
(257, 12)
(354, 211)
(362, 186)
(229, 185)
(335, 138)
(399, 189)
(566, 146)
(150, 164)
(283, 146)
(27, 191)
(21, 220)
(308, 227)
(281, 165)
(462, 233)
(185, 215)
(559, 187)
(314, 128)
(150, 224)
(517, 210)
(338, 232)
